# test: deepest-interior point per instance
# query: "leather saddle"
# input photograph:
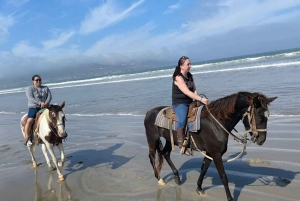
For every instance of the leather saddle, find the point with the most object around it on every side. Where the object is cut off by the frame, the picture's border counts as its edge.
(34, 126)
(192, 113)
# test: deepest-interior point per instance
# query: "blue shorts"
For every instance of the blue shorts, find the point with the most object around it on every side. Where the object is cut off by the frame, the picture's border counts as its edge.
(32, 112)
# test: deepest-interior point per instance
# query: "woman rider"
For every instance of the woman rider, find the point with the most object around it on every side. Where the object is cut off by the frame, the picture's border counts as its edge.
(183, 93)
(38, 96)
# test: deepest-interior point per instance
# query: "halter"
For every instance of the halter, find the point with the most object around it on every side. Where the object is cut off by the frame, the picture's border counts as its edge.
(55, 129)
(252, 123)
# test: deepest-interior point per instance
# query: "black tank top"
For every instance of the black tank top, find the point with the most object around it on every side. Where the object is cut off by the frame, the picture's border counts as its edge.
(178, 96)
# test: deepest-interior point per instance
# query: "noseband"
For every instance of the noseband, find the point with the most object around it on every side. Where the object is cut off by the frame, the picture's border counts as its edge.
(252, 122)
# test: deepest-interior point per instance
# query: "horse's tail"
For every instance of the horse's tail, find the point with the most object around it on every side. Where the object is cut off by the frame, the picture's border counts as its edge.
(160, 156)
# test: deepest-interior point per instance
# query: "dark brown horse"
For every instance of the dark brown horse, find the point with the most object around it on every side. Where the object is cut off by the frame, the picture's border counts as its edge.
(211, 137)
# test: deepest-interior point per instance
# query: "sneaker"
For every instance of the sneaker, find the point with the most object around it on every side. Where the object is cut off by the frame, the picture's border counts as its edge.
(29, 143)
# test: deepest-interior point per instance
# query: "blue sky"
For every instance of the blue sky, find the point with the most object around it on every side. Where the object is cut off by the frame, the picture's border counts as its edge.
(39, 35)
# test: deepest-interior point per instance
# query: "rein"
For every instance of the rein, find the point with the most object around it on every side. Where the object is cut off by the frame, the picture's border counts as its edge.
(251, 119)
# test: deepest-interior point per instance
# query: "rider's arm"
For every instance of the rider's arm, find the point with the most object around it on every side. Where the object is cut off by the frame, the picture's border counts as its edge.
(182, 86)
(31, 98)
(49, 96)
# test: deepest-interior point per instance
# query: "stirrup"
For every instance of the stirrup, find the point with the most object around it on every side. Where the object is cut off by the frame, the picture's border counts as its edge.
(185, 151)
(29, 143)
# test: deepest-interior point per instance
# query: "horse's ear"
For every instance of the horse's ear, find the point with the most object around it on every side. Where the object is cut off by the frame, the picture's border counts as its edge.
(269, 100)
(47, 106)
(62, 105)
(256, 102)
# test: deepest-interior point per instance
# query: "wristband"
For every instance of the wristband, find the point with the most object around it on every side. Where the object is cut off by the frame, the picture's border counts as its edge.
(200, 99)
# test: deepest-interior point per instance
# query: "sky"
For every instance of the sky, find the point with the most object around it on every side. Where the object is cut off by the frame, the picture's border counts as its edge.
(56, 34)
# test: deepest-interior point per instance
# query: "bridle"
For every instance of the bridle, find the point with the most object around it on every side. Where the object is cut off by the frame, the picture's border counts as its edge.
(54, 127)
(252, 123)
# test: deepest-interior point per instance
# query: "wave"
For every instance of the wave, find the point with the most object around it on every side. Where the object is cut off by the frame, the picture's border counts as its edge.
(105, 114)
(287, 55)
(157, 74)
(3, 112)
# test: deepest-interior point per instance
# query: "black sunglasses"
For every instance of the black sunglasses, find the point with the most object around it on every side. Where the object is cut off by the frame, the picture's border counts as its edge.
(38, 80)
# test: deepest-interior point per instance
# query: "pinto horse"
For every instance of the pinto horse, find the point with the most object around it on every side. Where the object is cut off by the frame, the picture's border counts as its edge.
(50, 131)
(217, 120)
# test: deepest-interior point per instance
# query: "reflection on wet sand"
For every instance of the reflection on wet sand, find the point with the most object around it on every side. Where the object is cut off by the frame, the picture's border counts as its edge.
(59, 190)
(160, 197)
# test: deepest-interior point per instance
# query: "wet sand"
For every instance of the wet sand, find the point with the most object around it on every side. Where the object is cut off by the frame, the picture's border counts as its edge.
(107, 159)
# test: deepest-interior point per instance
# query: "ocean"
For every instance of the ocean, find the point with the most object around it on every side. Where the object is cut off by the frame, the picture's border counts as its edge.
(134, 93)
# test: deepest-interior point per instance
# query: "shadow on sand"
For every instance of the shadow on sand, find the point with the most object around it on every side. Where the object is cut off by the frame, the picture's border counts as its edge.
(83, 159)
(266, 175)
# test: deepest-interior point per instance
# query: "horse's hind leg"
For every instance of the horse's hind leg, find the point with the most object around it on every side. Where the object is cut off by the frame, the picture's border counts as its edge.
(44, 149)
(166, 153)
(62, 155)
(31, 151)
(152, 152)
(205, 165)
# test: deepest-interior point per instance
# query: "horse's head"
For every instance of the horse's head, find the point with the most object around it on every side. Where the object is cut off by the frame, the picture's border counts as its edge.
(256, 117)
(57, 118)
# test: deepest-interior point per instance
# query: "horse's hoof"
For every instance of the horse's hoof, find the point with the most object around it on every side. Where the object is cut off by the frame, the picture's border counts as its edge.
(161, 182)
(201, 192)
(61, 178)
(60, 164)
(177, 180)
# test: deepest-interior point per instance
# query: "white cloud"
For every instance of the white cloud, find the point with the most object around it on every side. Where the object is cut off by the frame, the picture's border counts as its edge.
(240, 14)
(17, 2)
(5, 23)
(24, 49)
(104, 16)
(173, 8)
(60, 40)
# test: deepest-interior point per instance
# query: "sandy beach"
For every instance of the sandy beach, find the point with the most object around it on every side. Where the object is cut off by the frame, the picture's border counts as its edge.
(107, 159)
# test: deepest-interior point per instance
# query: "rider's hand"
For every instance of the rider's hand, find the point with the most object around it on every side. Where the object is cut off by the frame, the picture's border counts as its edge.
(43, 104)
(204, 101)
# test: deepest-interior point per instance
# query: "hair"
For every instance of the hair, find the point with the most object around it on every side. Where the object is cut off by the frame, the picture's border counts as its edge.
(35, 76)
(177, 69)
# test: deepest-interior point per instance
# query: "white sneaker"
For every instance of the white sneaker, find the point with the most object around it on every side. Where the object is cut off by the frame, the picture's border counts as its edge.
(29, 143)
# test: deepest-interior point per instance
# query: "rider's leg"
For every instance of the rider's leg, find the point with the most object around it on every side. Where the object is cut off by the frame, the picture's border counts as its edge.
(181, 111)
(28, 127)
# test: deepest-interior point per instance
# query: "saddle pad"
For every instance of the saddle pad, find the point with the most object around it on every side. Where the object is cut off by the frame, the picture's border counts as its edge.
(164, 122)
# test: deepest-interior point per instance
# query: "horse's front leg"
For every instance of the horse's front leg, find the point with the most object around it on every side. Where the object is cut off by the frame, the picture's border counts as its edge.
(166, 153)
(31, 150)
(54, 159)
(205, 165)
(220, 167)
(44, 149)
(62, 155)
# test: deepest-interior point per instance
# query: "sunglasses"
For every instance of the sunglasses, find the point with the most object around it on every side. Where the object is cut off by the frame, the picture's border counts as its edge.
(38, 80)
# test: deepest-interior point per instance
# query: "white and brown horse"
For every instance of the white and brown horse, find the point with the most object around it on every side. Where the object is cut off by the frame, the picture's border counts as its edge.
(50, 131)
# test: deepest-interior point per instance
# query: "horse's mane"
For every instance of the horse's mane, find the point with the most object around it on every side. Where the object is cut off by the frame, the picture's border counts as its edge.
(223, 107)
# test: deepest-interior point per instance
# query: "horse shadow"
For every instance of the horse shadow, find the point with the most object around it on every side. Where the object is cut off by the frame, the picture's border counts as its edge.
(234, 170)
(83, 159)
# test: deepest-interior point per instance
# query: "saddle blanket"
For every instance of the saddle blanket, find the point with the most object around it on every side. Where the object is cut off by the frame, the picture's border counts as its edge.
(165, 122)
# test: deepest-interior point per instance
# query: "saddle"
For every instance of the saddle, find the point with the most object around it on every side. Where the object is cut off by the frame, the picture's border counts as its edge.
(192, 113)
(34, 127)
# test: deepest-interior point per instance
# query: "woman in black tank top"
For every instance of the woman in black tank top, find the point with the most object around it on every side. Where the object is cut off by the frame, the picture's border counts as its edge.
(183, 93)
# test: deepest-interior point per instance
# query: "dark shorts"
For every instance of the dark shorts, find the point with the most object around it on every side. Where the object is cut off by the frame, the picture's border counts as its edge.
(32, 112)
